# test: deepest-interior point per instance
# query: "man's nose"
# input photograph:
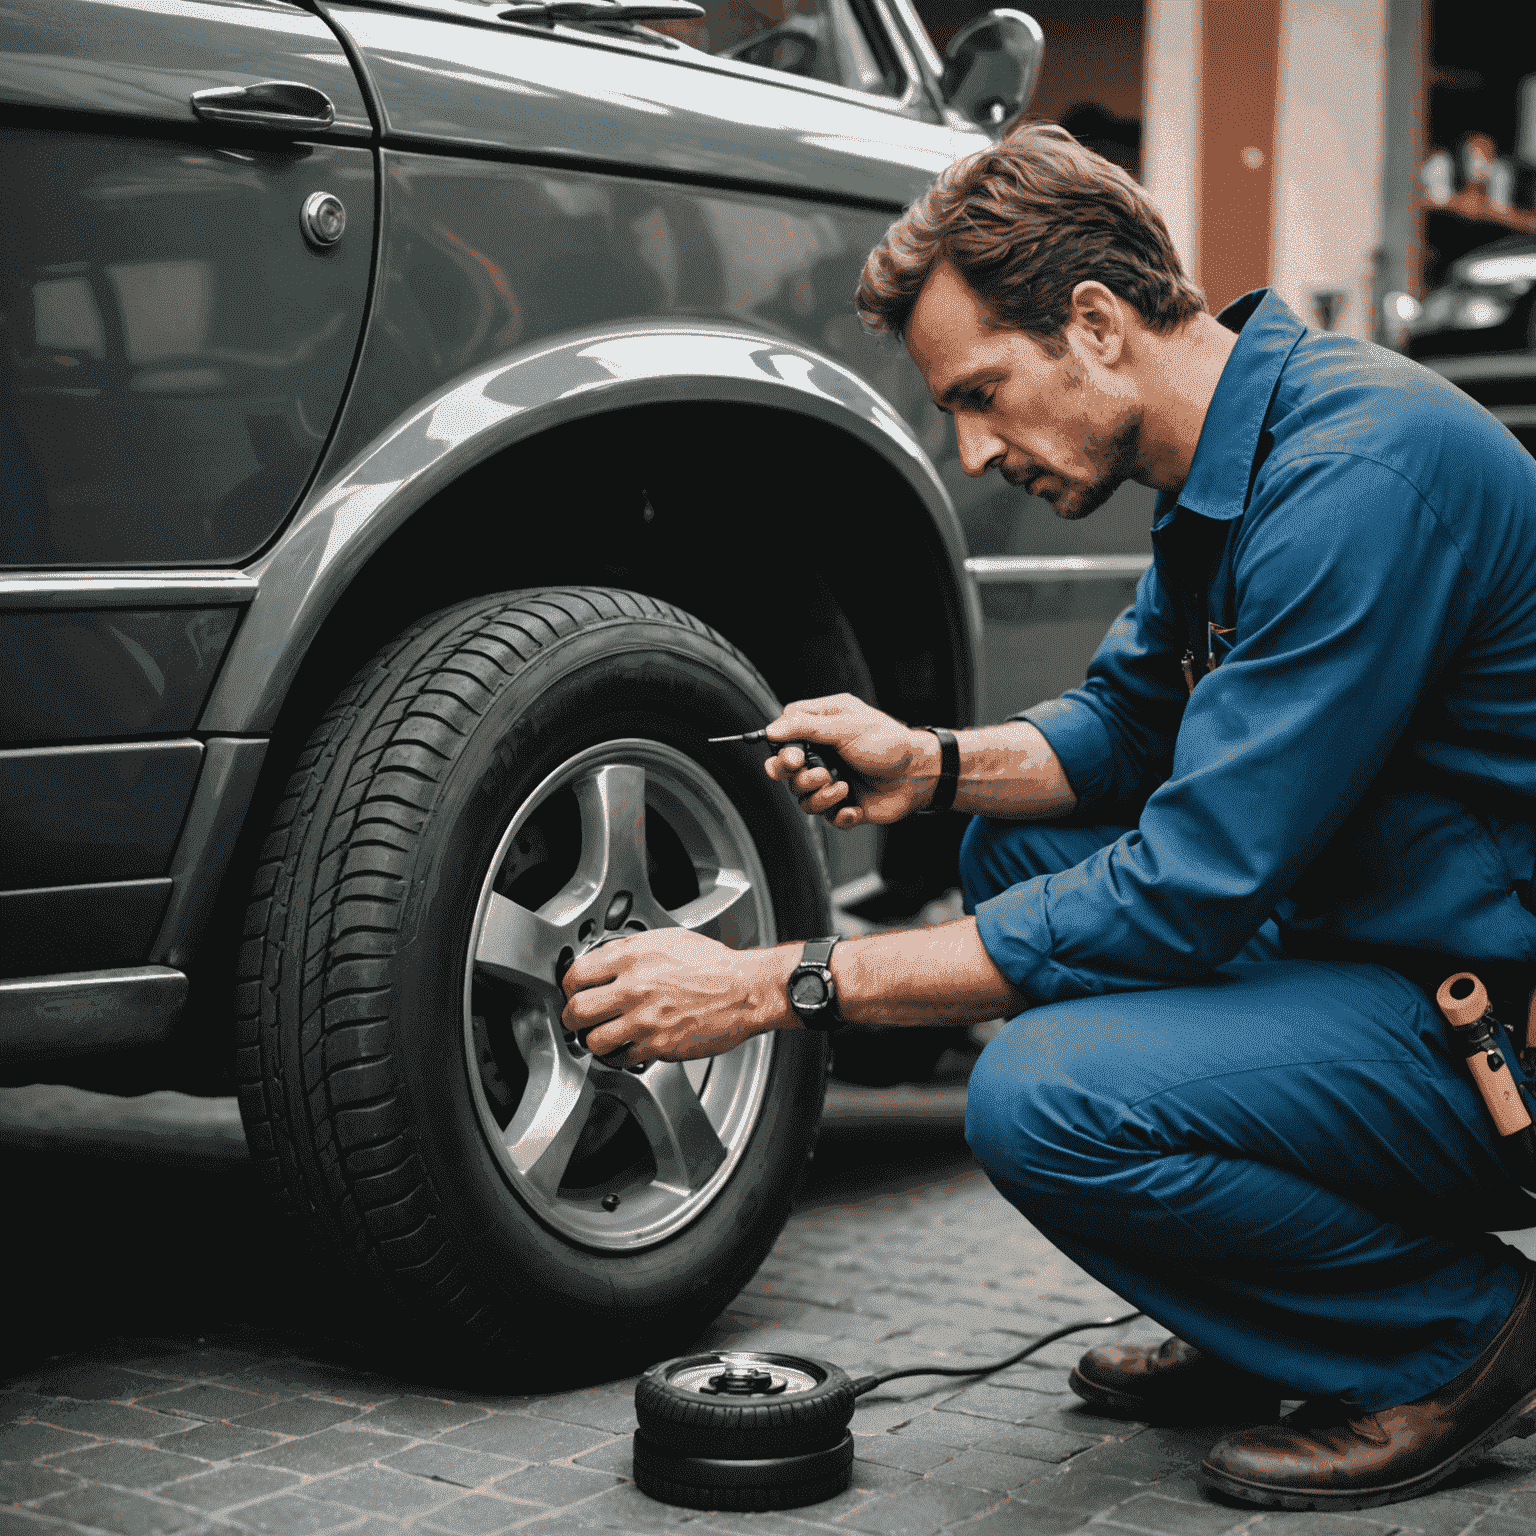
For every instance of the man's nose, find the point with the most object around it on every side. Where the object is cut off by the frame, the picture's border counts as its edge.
(980, 450)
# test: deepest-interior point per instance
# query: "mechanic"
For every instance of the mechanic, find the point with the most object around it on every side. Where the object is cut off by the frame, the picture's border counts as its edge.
(1214, 887)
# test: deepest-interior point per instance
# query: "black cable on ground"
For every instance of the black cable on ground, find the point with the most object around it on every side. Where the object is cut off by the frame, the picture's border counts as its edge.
(863, 1384)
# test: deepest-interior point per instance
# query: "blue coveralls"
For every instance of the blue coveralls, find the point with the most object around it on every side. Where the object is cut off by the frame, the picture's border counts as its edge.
(1235, 1108)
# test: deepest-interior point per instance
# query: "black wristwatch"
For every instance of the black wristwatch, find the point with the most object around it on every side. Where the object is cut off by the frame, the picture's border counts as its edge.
(949, 771)
(812, 992)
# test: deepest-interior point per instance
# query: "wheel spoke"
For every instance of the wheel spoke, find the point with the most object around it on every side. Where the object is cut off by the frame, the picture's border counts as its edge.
(520, 946)
(667, 1110)
(724, 909)
(553, 1112)
(613, 859)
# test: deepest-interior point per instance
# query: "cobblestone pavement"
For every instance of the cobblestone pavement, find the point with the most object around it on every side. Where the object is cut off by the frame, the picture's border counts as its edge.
(167, 1384)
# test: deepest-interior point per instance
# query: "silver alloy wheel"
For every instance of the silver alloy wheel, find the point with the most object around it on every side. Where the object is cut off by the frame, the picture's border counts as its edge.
(688, 1121)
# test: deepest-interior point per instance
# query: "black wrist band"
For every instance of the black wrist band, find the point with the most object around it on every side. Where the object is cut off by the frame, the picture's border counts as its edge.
(949, 770)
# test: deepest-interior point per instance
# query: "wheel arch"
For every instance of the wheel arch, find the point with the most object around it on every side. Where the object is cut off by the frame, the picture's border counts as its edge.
(487, 417)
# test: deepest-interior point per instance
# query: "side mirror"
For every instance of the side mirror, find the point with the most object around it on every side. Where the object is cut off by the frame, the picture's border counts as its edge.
(991, 66)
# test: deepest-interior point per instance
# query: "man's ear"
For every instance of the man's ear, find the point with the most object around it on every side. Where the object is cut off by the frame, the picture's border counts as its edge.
(1100, 318)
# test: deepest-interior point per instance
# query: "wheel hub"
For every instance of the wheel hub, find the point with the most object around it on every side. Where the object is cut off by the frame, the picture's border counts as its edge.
(623, 838)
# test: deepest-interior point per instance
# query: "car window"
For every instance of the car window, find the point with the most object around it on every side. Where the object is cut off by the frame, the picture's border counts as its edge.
(838, 41)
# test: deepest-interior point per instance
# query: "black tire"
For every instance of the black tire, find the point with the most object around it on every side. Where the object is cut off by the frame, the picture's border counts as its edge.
(685, 1422)
(363, 1103)
(786, 1482)
(880, 1058)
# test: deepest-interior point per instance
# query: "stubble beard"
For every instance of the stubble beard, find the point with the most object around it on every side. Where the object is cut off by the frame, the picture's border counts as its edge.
(1117, 451)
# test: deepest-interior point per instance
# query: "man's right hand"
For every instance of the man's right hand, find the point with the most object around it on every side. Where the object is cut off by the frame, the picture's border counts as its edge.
(900, 764)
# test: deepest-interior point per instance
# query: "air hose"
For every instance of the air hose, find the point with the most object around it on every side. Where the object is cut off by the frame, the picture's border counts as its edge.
(755, 1430)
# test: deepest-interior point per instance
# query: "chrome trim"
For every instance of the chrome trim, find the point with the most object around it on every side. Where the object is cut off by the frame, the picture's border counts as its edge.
(1514, 415)
(1001, 570)
(917, 34)
(278, 106)
(687, 57)
(1519, 365)
(75, 1013)
(125, 589)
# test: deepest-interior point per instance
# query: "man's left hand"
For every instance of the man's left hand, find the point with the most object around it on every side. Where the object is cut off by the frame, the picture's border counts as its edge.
(674, 995)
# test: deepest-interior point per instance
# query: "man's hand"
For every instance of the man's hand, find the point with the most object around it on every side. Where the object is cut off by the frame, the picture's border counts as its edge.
(900, 764)
(673, 995)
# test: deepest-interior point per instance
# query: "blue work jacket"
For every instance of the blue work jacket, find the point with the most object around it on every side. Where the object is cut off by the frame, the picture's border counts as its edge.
(1358, 540)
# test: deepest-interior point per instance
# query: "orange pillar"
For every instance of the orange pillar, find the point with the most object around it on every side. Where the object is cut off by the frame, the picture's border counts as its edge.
(1239, 90)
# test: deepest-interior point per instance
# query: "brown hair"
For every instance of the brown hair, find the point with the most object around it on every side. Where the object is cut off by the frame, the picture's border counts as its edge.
(1024, 221)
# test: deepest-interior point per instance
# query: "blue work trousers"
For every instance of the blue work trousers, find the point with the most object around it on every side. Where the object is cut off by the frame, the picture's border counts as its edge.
(1285, 1165)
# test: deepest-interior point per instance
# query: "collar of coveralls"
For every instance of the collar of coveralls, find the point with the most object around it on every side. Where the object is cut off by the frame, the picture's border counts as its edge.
(1217, 487)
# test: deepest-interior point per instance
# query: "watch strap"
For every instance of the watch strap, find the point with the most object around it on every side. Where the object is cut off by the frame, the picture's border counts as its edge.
(817, 956)
(949, 770)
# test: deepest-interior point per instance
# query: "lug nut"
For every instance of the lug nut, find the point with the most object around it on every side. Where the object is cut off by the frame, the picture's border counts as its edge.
(610, 1202)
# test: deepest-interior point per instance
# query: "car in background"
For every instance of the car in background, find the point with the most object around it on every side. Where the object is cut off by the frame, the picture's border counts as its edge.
(423, 424)
(1479, 331)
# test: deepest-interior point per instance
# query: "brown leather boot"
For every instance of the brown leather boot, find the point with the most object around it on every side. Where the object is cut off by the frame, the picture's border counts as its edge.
(1328, 1456)
(1171, 1384)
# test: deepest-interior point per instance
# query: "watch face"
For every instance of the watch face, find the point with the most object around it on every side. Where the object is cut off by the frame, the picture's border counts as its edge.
(807, 990)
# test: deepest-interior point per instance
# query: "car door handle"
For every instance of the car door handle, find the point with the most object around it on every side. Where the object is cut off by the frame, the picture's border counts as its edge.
(281, 106)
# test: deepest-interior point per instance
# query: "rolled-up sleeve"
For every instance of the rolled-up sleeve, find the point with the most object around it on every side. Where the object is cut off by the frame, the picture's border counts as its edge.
(1350, 597)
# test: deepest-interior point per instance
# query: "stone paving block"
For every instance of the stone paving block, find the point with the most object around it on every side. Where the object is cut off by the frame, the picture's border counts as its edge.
(1175, 1517)
(1079, 1493)
(622, 1508)
(381, 1490)
(1081, 1420)
(989, 1402)
(219, 1442)
(1033, 1378)
(1298, 1523)
(124, 1514)
(597, 1408)
(298, 1415)
(991, 1469)
(795, 1522)
(452, 1464)
(111, 1421)
(128, 1466)
(555, 1486)
(422, 1417)
(919, 1509)
(332, 1450)
(905, 1452)
(21, 1482)
(197, 1363)
(26, 1442)
(1497, 1524)
(615, 1457)
(308, 1376)
(94, 1382)
(1011, 1518)
(478, 1514)
(291, 1514)
(786, 1341)
(956, 1429)
(1149, 1455)
(1441, 1514)
(225, 1487)
(17, 1404)
(17, 1522)
(526, 1437)
(207, 1400)
(1036, 1443)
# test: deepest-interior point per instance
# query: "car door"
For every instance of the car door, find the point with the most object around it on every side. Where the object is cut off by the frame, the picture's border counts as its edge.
(174, 349)
(542, 177)
(173, 346)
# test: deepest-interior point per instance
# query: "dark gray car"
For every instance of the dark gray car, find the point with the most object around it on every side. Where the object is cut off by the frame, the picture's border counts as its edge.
(423, 425)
